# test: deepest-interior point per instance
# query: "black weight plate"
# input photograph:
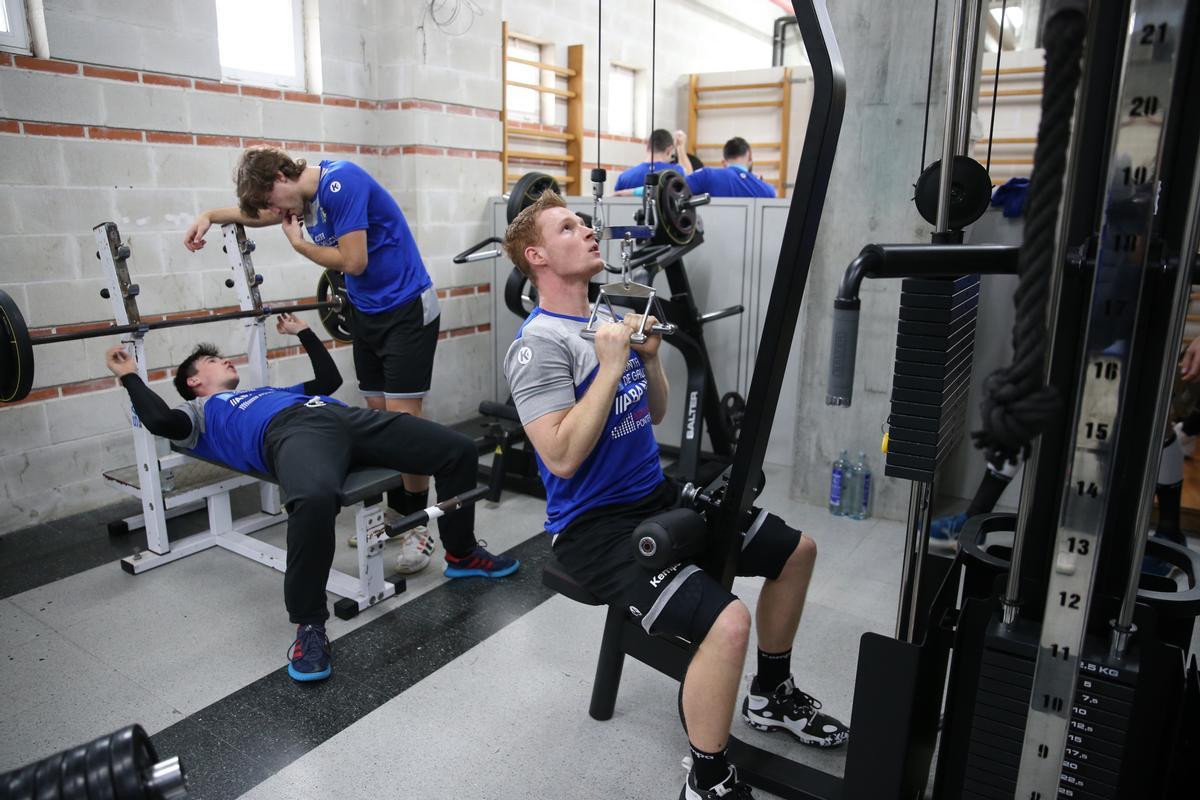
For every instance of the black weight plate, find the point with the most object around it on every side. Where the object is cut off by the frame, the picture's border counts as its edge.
(99, 771)
(677, 221)
(970, 192)
(516, 289)
(20, 783)
(527, 189)
(129, 754)
(16, 352)
(733, 410)
(339, 322)
(73, 785)
(46, 778)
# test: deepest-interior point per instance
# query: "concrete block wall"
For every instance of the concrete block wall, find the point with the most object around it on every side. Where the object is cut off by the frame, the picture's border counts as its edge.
(129, 120)
(868, 201)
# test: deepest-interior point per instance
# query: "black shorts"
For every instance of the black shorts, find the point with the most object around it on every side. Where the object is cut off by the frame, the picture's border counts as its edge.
(393, 351)
(597, 550)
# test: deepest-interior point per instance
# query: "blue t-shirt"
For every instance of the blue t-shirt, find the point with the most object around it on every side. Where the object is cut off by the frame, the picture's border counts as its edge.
(732, 181)
(348, 199)
(549, 368)
(230, 426)
(634, 177)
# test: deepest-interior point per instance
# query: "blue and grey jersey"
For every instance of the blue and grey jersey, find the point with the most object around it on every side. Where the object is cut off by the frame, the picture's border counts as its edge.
(549, 368)
(230, 426)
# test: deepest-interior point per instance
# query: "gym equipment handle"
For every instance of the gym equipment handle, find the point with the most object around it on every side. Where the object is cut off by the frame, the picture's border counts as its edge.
(696, 200)
(843, 352)
(472, 253)
(433, 512)
(661, 328)
(713, 316)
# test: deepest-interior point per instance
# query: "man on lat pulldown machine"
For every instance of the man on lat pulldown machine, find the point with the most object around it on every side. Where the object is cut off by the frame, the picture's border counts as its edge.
(308, 441)
(588, 409)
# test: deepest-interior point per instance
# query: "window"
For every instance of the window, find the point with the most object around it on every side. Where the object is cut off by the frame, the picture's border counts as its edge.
(14, 35)
(524, 104)
(261, 42)
(622, 103)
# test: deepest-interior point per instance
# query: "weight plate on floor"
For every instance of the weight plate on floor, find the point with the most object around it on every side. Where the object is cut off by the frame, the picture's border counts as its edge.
(73, 785)
(99, 770)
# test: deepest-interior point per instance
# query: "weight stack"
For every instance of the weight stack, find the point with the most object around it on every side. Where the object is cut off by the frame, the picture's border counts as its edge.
(934, 349)
(1121, 720)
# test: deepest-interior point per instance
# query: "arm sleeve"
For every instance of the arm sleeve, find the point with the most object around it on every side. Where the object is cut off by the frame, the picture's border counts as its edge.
(347, 207)
(326, 376)
(697, 181)
(541, 377)
(155, 415)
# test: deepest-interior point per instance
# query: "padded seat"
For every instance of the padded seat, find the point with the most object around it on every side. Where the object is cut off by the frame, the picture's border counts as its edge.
(359, 485)
(555, 578)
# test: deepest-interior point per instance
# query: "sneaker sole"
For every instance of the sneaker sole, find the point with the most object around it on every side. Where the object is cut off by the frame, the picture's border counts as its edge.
(304, 677)
(451, 572)
(412, 570)
(810, 741)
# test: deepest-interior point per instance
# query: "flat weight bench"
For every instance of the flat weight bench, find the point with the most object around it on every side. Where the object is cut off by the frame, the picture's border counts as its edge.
(362, 488)
(622, 636)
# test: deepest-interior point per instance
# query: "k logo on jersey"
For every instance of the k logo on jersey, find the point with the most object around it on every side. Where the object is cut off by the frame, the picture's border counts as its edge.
(335, 187)
(524, 355)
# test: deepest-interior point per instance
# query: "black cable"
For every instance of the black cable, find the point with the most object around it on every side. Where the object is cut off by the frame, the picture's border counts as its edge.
(653, 54)
(599, 72)
(929, 84)
(996, 86)
(1017, 404)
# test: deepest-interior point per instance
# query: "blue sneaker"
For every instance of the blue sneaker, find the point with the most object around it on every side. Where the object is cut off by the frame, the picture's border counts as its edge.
(479, 562)
(309, 660)
(943, 532)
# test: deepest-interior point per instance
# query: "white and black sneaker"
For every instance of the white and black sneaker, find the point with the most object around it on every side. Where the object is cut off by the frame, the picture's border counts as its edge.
(729, 789)
(789, 709)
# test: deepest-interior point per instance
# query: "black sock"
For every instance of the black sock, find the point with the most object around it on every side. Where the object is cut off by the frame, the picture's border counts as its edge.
(773, 669)
(988, 493)
(415, 501)
(710, 768)
(395, 501)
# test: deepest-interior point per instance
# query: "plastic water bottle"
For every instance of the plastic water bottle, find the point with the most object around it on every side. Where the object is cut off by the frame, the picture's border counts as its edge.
(862, 488)
(837, 484)
(851, 490)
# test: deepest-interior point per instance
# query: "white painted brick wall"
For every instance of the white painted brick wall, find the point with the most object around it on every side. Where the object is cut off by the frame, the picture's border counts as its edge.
(165, 35)
(49, 98)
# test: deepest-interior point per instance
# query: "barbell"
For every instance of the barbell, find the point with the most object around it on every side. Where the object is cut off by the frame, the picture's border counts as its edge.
(16, 343)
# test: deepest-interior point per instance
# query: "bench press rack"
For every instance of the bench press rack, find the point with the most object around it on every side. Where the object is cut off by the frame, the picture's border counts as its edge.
(169, 483)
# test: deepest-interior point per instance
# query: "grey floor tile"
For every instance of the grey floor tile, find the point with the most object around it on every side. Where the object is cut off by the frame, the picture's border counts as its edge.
(55, 696)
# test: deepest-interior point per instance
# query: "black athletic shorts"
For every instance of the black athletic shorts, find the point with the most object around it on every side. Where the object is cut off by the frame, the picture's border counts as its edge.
(393, 350)
(596, 549)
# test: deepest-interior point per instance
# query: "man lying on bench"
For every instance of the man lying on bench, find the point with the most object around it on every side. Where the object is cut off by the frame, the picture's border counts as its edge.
(587, 408)
(308, 441)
